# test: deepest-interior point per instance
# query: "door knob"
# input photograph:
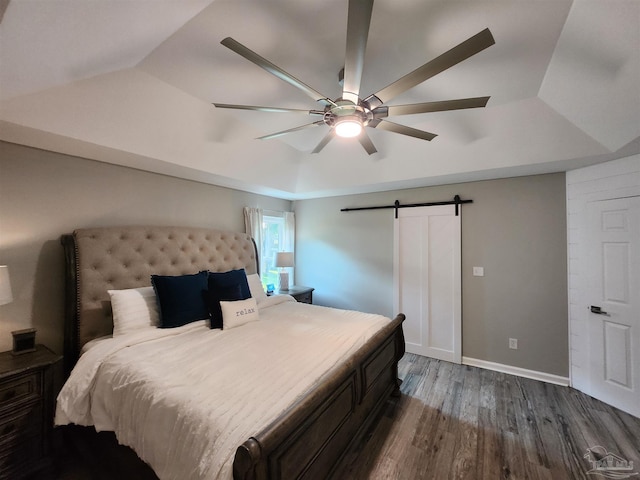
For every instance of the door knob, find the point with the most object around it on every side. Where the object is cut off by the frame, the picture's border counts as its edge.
(598, 311)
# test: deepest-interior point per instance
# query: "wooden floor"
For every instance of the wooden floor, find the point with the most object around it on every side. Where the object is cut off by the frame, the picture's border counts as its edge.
(460, 422)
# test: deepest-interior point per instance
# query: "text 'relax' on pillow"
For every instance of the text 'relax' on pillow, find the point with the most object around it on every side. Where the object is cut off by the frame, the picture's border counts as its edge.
(180, 298)
(226, 286)
(239, 312)
(133, 309)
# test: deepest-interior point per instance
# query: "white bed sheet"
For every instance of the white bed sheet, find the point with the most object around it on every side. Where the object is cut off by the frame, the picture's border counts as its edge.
(184, 399)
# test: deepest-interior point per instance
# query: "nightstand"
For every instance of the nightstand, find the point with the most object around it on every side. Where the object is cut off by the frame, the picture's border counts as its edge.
(301, 294)
(26, 411)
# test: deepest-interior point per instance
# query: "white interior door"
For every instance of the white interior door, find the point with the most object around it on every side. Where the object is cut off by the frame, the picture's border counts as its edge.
(614, 302)
(427, 278)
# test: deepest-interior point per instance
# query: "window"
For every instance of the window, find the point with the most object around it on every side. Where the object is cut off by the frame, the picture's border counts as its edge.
(273, 234)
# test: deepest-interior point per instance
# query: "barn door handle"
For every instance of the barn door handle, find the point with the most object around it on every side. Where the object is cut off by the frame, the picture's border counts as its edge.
(598, 311)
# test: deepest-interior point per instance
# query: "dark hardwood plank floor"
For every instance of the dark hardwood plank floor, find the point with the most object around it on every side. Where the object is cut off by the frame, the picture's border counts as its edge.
(453, 422)
(459, 422)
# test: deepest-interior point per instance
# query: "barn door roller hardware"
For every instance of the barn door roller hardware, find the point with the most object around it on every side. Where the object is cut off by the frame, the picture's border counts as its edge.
(396, 205)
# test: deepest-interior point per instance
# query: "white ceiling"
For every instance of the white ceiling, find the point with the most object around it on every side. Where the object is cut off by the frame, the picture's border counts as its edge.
(131, 82)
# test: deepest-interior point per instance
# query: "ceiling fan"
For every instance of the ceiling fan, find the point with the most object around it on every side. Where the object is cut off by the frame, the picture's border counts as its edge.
(348, 115)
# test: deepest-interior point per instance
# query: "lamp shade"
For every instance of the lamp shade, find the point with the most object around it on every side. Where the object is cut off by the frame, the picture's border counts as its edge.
(5, 286)
(284, 259)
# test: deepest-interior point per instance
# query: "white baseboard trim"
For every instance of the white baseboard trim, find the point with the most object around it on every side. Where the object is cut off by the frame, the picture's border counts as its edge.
(520, 372)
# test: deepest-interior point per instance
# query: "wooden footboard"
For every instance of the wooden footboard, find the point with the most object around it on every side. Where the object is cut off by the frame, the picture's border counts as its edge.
(308, 440)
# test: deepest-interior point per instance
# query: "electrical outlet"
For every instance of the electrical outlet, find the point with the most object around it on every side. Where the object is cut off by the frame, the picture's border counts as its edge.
(513, 343)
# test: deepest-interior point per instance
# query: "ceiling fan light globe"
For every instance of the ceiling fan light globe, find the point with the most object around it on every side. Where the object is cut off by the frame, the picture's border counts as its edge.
(348, 128)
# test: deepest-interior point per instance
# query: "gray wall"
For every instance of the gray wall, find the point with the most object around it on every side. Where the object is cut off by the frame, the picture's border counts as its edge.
(44, 195)
(515, 229)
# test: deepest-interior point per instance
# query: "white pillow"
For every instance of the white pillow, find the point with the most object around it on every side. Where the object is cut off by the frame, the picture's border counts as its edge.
(133, 309)
(256, 288)
(238, 312)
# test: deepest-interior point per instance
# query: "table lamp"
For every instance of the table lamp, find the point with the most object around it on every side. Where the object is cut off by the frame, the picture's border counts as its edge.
(284, 260)
(5, 286)
(23, 340)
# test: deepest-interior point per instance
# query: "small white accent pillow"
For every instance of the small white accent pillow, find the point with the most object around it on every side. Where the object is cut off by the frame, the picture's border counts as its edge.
(256, 288)
(238, 312)
(133, 309)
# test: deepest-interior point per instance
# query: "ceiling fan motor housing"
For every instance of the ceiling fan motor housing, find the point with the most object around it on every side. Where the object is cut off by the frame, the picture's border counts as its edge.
(345, 110)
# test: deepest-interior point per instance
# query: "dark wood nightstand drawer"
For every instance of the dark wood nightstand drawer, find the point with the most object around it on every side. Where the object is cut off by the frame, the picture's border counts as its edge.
(304, 297)
(27, 398)
(21, 424)
(21, 389)
(301, 294)
(19, 458)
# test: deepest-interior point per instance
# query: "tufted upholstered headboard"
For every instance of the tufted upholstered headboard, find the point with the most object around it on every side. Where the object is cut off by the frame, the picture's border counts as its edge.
(114, 258)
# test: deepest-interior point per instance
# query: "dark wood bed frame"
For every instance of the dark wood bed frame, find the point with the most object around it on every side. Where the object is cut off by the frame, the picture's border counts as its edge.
(307, 440)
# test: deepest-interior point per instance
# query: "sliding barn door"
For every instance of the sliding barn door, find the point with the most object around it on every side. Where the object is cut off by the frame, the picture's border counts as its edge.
(427, 278)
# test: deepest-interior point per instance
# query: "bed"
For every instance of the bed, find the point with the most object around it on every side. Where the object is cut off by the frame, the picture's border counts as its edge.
(301, 433)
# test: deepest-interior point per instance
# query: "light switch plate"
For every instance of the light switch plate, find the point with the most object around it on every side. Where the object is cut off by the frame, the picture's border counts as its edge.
(478, 271)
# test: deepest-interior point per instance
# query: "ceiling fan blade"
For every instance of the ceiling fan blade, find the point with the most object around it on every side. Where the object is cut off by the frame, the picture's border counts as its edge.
(358, 21)
(269, 109)
(323, 143)
(366, 142)
(290, 130)
(427, 107)
(404, 130)
(265, 64)
(457, 54)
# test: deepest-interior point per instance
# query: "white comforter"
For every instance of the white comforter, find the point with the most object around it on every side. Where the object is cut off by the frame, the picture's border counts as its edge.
(184, 399)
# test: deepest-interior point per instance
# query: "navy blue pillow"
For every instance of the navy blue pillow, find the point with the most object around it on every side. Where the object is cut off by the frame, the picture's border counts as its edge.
(180, 298)
(230, 278)
(227, 286)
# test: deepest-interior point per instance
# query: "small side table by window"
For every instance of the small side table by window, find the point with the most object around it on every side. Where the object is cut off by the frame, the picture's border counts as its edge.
(301, 294)
(26, 411)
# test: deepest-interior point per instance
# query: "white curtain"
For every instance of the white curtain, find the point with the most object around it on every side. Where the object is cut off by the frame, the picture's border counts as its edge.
(290, 239)
(289, 231)
(253, 226)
